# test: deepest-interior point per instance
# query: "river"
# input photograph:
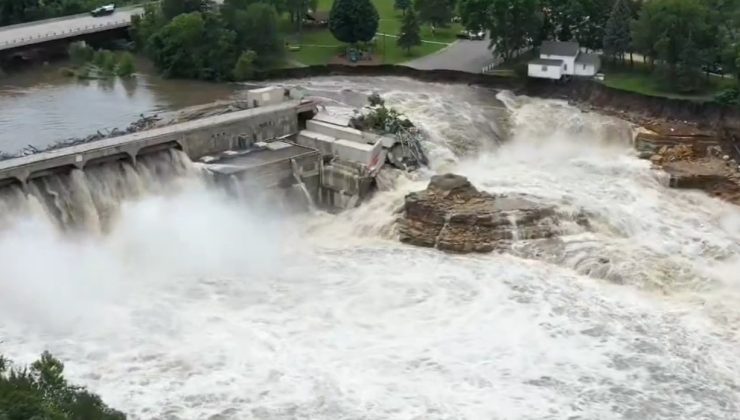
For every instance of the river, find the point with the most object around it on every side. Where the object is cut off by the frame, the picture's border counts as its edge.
(195, 305)
(40, 106)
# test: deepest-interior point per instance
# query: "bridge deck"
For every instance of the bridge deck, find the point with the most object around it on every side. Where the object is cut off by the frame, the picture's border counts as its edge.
(31, 33)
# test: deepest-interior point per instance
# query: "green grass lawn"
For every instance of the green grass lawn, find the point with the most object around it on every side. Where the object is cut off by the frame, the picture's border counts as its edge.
(640, 80)
(318, 46)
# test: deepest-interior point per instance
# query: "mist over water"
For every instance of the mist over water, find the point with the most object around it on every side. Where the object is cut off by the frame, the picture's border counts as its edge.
(193, 304)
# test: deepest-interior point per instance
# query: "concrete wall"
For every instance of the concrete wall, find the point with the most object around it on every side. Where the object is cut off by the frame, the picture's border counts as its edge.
(197, 138)
(239, 134)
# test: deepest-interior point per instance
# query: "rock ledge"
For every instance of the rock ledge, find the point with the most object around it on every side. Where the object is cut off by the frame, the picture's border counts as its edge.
(452, 215)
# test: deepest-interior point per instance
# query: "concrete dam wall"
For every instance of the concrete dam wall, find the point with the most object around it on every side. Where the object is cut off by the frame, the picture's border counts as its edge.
(197, 138)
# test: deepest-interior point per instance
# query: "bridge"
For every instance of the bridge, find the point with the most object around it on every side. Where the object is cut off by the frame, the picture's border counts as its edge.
(28, 34)
(40, 32)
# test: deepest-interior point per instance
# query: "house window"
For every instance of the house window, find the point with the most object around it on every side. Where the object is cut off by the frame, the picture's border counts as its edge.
(544, 68)
(565, 67)
(584, 67)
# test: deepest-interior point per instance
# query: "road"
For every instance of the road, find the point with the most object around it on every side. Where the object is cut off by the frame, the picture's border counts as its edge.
(462, 55)
(30, 33)
(46, 30)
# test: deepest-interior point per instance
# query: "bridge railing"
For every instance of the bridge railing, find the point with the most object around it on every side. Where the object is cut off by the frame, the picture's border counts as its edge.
(54, 35)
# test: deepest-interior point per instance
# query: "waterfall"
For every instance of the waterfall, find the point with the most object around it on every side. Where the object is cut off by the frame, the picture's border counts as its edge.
(90, 199)
(302, 185)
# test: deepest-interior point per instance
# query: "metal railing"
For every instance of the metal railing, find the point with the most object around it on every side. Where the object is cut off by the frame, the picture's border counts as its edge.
(54, 35)
(499, 59)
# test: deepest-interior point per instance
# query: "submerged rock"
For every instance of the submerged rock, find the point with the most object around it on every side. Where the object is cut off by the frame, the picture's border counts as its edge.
(452, 215)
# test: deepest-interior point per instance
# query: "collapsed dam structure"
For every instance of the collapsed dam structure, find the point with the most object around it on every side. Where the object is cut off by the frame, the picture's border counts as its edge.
(277, 142)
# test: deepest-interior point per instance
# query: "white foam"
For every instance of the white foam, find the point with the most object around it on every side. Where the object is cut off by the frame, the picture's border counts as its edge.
(195, 306)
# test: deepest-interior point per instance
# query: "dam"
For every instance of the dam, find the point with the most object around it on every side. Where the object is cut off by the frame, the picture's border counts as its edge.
(275, 141)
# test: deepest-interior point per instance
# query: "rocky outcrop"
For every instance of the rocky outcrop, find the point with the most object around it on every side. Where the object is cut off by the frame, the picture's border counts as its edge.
(452, 215)
(703, 168)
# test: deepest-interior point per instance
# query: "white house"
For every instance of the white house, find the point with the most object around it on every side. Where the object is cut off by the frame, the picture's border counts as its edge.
(558, 59)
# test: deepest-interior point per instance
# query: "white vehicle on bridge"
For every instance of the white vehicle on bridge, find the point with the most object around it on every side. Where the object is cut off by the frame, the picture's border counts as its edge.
(106, 10)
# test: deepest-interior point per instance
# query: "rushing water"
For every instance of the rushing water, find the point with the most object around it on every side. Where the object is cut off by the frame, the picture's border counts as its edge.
(195, 306)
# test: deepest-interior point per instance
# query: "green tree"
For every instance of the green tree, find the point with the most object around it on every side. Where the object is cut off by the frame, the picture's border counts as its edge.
(109, 62)
(409, 36)
(80, 53)
(438, 13)
(173, 8)
(474, 14)
(42, 392)
(580, 20)
(126, 66)
(514, 24)
(353, 21)
(145, 25)
(281, 6)
(298, 9)
(244, 68)
(592, 25)
(725, 19)
(402, 5)
(16, 11)
(676, 33)
(617, 37)
(174, 48)
(218, 48)
(257, 30)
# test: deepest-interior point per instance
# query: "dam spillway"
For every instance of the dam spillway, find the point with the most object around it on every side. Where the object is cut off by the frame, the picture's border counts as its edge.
(195, 138)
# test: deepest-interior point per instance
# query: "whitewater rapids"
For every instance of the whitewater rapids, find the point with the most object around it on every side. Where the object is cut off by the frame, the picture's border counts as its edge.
(196, 306)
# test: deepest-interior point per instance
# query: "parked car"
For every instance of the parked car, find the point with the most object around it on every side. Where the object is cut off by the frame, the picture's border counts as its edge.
(473, 35)
(715, 68)
(106, 10)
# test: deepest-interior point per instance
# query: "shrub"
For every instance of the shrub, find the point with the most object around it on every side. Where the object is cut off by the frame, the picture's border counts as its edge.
(80, 53)
(728, 96)
(126, 66)
(244, 68)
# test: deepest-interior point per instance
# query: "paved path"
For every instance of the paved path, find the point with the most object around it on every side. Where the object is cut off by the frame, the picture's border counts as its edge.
(424, 41)
(462, 55)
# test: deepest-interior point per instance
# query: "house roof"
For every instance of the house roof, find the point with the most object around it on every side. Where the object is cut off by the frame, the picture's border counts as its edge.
(568, 49)
(546, 62)
(590, 59)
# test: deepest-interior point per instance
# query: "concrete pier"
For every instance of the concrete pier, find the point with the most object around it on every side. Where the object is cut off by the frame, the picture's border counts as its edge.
(197, 138)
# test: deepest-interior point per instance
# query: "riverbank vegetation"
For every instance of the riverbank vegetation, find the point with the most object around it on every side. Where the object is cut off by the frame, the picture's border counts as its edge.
(41, 392)
(656, 47)
(89, 63)
(21, 11)
(197, 39)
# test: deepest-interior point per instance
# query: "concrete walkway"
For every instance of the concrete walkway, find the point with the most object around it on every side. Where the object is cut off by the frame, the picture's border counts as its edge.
(462, 55)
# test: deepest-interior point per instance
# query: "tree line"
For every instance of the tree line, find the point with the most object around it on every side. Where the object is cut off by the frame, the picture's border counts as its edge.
(678, 38)
(198, 39)
(40, 392)
(21, 11)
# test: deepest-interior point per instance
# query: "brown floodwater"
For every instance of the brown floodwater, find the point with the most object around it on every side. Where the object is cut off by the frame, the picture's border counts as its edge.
(39, 106)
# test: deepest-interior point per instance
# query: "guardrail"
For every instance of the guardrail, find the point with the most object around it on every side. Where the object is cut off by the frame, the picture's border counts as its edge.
(51, 36)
